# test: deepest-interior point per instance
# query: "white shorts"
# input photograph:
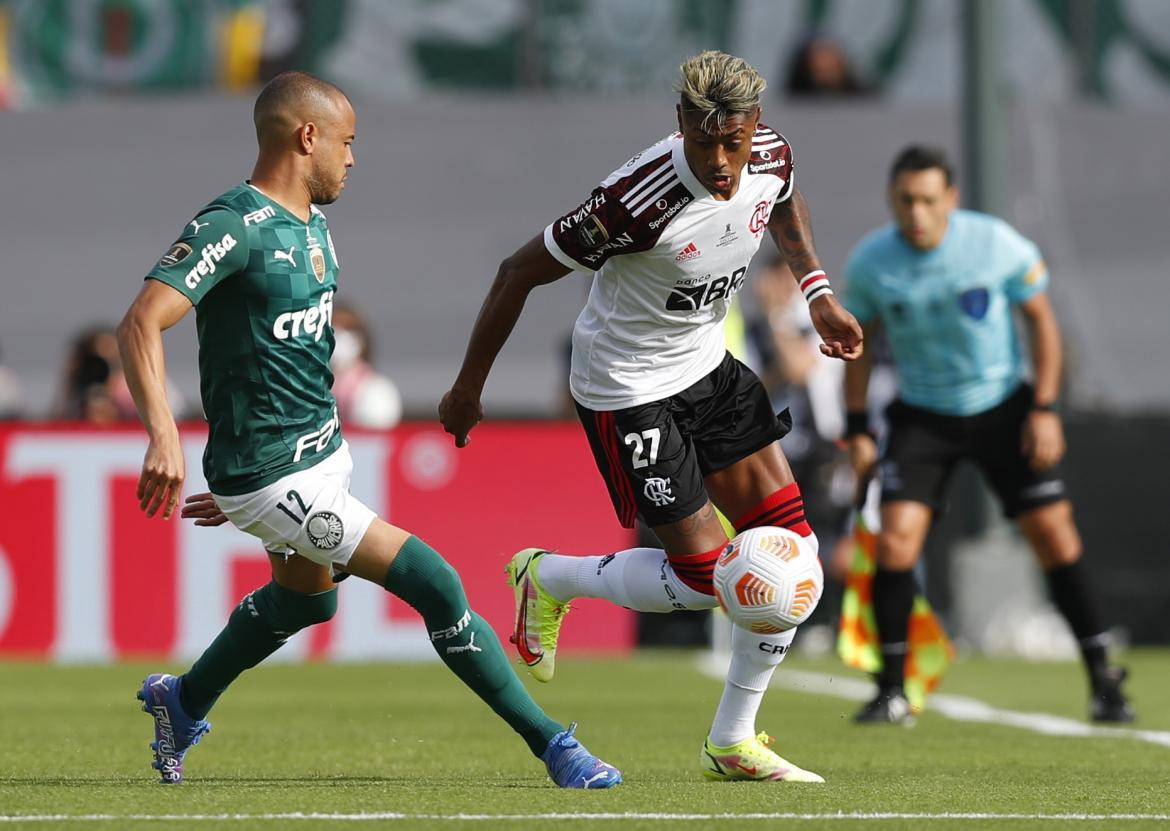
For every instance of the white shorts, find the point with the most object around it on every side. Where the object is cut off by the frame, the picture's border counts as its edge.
(310, 512)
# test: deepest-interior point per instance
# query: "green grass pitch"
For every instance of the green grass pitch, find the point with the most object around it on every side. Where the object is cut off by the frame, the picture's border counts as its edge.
(409, 744)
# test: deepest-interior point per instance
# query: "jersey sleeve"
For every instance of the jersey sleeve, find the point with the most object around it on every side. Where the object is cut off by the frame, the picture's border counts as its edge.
(772, 155)
(625, 214)
(856, 297)
(585, 238)
(1025, 273)
(212, 247)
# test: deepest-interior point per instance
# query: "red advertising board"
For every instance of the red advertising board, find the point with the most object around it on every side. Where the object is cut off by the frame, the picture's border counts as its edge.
(84, 576)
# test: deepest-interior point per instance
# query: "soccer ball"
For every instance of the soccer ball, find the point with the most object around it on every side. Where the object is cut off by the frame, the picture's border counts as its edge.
(768, 580)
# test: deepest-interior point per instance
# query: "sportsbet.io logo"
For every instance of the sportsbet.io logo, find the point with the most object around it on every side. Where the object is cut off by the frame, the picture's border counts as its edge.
(325, 530)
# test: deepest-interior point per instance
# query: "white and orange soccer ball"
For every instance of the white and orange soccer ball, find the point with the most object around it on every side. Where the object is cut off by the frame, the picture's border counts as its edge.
(768, 580)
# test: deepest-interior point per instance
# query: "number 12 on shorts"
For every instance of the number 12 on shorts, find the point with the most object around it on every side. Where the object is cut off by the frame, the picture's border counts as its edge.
(639, 442)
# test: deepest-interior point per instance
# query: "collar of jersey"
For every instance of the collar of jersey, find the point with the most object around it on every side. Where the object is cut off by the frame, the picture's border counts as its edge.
(289, 214)
(698, 189)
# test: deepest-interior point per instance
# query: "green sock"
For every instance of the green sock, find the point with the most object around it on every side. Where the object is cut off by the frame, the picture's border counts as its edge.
(466, 643)
(258, 626)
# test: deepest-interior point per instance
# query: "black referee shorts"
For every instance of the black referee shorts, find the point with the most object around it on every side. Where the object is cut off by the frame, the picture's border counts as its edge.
(924, 448)
(654, 456)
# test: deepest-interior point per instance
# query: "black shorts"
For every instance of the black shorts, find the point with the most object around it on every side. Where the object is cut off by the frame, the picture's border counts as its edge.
(924, 448)
(654, 456)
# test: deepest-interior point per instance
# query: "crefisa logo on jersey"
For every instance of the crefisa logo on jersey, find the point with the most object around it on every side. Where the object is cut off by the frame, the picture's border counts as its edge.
(312, 321)
(212, 254)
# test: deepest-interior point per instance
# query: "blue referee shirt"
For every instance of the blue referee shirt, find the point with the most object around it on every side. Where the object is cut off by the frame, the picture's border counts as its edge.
(947, 311)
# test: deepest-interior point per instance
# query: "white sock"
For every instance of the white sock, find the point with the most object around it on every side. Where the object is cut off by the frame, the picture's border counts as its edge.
(638, 578)
(753, 660)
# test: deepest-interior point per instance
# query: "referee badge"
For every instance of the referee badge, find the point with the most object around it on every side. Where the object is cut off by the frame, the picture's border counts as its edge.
(974, 302)
(325, 530)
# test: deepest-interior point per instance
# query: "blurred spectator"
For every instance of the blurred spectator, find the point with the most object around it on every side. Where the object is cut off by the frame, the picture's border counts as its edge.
(92, 375)
(799, 377)
(94, 390)
(365, 398)
(11, 394)
(821, 69)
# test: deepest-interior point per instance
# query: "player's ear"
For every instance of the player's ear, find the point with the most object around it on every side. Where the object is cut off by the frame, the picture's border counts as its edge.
(678, 116)
(307, 136)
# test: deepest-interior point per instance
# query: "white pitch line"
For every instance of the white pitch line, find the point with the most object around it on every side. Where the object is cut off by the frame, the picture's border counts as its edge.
(956, 707)
(630, 815)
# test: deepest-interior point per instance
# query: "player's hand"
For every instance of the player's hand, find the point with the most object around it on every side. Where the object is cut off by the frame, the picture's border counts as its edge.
(459, 411)
(839, 330)
(163, 472)
(863, 456)
(1042, 440)
(202, 508)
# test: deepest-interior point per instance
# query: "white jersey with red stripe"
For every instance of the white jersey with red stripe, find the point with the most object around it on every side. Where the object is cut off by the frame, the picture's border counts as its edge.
(668, 260)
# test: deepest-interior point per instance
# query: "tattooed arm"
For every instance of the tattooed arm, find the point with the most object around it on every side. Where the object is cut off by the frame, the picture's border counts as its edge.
(791, 229)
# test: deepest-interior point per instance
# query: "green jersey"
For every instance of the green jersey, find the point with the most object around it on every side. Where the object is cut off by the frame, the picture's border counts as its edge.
(262, 283)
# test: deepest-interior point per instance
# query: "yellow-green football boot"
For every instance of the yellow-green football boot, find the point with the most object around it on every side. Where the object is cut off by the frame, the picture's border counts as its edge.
(751, 759)
(538, 615)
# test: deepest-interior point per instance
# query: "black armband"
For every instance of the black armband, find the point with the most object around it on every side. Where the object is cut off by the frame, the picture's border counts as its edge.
(1050, 407)
(857, 423)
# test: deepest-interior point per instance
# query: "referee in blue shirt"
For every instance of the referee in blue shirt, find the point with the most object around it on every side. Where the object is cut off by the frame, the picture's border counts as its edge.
(942, 283)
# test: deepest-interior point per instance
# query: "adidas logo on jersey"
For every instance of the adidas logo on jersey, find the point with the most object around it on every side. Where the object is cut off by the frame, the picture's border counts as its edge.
(689, 253)
(211, 255)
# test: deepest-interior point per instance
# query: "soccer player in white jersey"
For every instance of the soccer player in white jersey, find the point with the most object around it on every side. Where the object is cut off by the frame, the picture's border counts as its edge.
(677, 426)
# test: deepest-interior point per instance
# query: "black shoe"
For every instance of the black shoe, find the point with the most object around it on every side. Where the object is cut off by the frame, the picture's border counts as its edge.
(1109, 702)
(888, 707)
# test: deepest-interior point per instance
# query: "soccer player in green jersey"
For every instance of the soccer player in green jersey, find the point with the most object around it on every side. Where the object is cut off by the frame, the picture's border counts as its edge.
(258, 265)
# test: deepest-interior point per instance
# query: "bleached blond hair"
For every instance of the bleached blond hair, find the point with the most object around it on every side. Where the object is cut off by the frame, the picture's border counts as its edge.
(719, 85)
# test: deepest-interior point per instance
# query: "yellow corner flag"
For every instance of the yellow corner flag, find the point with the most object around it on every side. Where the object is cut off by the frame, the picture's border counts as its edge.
(929, 651)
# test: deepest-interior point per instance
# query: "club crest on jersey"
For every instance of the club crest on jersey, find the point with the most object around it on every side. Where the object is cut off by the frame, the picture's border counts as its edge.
(177, 253)
(759, 218)
(325, 530)
(591, 232)
(974, 303)
(317, 259)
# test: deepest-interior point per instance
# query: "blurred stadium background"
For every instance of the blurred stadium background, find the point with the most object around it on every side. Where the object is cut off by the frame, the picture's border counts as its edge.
(478, 121)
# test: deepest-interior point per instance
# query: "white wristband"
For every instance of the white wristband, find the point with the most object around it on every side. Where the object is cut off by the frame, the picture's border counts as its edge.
(814, 284)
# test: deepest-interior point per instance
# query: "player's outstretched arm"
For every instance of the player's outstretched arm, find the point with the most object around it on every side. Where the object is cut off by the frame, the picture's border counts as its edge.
(531, 266)
(791, 228)
(140, 344)
(862, 445)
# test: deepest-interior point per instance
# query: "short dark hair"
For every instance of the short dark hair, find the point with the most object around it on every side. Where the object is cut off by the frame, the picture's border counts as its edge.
(918, 157)
(290, 94)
